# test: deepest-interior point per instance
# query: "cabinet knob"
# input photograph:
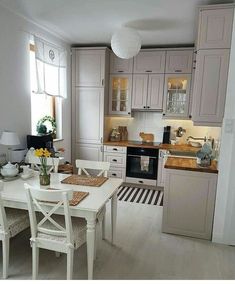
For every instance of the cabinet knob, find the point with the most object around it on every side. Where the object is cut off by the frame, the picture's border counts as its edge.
(128, 113)
(144, 106)
(190, 116)
(163, 114)
(140, 181)
(194, 67)
(148, 106)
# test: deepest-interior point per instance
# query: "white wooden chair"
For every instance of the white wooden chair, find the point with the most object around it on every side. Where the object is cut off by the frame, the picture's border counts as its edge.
(12, 222)
(59, 233)
(102, 168)
(53, 163)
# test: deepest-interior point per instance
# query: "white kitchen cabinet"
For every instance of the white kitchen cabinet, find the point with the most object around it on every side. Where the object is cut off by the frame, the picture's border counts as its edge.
(90, 71)
(147, 91)
(176, 96)
(189, 201)
(119, 65)
(89, 67)
(116, 156)
(179, 61)
(149, 62)
(215, 26)
(120, 91)
(90, 152)
(210, 86)
(117, 173)
(89, 115)
(140, 90)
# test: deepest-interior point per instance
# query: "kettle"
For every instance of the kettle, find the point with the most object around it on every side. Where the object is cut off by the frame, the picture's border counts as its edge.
(10, 170)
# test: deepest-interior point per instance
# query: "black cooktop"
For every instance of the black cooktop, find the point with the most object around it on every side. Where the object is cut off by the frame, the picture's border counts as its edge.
(144, 143)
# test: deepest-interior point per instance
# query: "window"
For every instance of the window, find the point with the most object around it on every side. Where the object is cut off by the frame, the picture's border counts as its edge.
(46, 82)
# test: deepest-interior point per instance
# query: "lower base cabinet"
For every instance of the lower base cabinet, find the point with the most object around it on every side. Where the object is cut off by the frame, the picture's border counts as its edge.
(189, 201)
(91, 152)
(116, 156)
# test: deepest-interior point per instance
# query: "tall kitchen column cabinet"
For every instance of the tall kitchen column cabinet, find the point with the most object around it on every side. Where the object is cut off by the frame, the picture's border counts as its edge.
(212, 62)
(90, 69)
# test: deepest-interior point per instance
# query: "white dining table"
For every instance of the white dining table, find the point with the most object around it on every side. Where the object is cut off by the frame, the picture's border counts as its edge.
(14, 196)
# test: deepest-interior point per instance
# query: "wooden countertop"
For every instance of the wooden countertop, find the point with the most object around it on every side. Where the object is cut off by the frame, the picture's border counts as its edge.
(188, 164)
(179, 147)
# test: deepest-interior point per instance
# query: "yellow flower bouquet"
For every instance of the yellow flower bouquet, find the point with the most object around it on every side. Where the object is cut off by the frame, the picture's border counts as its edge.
(43, 155)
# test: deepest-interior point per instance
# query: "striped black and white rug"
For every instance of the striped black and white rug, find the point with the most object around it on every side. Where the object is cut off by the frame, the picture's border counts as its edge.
(140, 195)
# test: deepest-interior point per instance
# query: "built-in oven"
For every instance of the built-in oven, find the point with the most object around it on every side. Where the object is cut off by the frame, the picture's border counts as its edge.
(142, 165)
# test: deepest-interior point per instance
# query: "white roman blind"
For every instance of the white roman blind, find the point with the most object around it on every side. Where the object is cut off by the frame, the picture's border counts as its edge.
(50, 69)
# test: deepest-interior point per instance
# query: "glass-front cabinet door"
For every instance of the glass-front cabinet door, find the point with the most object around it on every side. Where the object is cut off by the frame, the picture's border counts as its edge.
(120, 95)
(177, 96)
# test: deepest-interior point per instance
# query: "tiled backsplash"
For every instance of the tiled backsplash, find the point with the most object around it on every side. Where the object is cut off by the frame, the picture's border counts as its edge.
(152, 122)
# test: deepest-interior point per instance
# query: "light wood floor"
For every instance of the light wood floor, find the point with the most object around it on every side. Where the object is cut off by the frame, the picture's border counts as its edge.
(142, 252)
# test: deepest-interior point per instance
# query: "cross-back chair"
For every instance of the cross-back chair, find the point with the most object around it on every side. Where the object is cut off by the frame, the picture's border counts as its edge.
(12, 222)
(102, 167)
(52, 163)
(60, 233)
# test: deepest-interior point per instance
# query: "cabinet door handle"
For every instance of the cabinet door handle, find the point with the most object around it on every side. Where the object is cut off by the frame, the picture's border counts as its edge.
(114, 160)
(120, 71)
(140, 181)
(114, 175)
(148, 71)
(178, 70)
(115, 149)
(102, 82)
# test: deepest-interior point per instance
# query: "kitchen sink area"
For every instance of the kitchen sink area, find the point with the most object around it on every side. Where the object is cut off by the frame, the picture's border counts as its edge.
(183, 154)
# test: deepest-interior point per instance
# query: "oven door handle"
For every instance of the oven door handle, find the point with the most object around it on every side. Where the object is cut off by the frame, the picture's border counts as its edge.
(141, 155)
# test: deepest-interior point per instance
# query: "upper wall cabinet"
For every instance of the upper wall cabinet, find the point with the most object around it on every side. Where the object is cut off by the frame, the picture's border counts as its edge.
(90, 68)
(149, 62)
(215, 27)
(120, 94)
(119, 65)
(210, 86)
(177, 96)
(147, 91)
(179, 61)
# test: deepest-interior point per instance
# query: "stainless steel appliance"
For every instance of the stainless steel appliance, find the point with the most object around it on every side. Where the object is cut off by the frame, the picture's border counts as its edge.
(142, 165)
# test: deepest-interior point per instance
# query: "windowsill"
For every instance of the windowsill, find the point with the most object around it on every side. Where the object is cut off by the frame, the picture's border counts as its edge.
(58, 139)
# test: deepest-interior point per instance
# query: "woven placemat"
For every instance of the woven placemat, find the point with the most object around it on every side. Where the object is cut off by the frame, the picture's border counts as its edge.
(85, 180)
(78, 196)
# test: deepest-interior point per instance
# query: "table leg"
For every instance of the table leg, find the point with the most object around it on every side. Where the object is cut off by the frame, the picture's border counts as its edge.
(114, 216)
(91, 224)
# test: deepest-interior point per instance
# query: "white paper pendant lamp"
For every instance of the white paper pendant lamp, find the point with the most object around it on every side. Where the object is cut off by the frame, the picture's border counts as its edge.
(126, 43)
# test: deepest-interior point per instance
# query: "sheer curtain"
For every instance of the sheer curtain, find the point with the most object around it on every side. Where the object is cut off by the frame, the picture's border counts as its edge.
(50, 69)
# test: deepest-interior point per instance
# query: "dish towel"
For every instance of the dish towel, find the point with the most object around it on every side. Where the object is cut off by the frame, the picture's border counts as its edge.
(144, 163)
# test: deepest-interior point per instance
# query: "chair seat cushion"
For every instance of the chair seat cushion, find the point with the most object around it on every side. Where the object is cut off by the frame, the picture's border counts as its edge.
(17, 219)
(79, 230)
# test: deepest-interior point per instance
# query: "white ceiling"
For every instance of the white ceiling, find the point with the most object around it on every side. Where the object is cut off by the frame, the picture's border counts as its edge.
(159, 22)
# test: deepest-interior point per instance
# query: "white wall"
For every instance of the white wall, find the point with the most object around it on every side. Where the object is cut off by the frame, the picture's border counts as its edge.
(224, 220)
(15, 78)
(152, 122)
